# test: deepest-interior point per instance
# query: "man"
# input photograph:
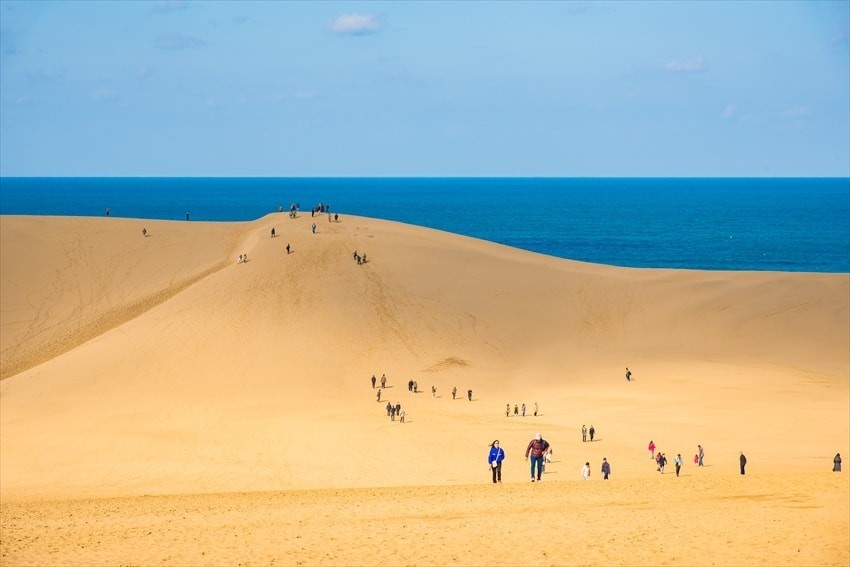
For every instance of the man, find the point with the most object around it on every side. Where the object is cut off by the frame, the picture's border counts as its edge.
(678, 462)
(628, 374)
(585, 471)
(606, 468)
(700, 454)
(592, 432)
(583, 433)
(537, 448)
(743, 460)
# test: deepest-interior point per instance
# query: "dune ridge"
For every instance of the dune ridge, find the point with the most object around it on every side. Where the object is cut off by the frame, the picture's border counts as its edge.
(138, 367)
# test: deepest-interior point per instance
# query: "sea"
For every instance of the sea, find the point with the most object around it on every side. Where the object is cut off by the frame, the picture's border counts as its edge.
(778, 224)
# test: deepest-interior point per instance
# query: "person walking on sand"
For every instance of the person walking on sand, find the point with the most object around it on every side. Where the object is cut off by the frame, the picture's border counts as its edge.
(495, 458)
(537, 448)
(287, 248)
(313, 226)
(836, 463)
(583, 434)
(651, 449)
(585, 471)
(454, 392)
(433, 391)
(678, 462)
(469, 395)
(389, 408)
(508, 410)
(379, 394)
(700, 454)
(696, 459)
(373, 381)
(628, 374)
(743, 460)
(592, 432)
(535, 409)
(383, 380)
(401, 416)
(523, 410)
(272, 232)
(516, 410)
(606, 468)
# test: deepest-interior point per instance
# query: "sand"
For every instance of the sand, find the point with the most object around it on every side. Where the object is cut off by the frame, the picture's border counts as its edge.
(162, 404)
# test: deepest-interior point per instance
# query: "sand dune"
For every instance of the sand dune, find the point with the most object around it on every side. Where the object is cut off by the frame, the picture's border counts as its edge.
(139, 367)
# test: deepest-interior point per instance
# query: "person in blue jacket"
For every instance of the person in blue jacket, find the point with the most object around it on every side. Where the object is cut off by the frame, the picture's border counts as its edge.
(495, 458)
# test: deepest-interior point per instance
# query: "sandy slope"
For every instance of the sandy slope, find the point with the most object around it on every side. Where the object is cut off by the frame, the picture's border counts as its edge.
(139, 366)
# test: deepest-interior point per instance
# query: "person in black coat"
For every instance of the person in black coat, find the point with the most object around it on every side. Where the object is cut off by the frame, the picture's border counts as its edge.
(836, 463)
(743, 460)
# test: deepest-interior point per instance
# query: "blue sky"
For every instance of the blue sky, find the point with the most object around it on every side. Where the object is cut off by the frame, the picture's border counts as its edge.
(184, 88)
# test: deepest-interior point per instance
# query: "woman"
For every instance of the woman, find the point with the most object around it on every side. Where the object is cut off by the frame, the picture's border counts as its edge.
(495, 458)
(836, 463)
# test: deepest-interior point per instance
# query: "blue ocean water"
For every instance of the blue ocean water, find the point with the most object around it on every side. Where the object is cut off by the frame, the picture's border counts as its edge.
(786, 224)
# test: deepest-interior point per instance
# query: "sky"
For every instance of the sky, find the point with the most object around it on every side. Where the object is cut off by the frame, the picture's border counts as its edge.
(469, 88)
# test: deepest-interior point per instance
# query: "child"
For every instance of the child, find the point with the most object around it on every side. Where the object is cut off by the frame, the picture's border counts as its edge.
(696, 459)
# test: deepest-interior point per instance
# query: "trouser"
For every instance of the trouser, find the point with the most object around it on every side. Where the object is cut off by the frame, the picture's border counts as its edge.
(497, 472)
(677, 469)
(538, 463)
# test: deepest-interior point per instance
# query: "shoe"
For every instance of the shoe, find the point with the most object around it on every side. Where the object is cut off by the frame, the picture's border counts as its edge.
(532, 480)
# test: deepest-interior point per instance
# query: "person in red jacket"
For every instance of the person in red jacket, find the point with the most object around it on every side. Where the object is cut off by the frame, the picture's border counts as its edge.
(537, 448)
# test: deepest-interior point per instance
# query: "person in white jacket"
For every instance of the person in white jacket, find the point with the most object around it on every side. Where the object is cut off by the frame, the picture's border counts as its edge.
(585, 471)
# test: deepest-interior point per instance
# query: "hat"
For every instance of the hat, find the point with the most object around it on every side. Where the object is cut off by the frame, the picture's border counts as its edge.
(537, 437)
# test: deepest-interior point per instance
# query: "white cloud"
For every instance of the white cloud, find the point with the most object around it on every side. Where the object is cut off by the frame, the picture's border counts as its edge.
(687, 65)
(356, 24)
(177, 41)
(728, 112)
(170, 6)
(795, 113)
(104, 95)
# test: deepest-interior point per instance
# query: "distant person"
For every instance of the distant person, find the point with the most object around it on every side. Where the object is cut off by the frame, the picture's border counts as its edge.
(313, 227)
(700, 454)
(287, 248)
(836, 463)
(107, 211)
(606, 468)
(743, 460)
(585, 471)
(469, 395)
(516, 410)
(433, 391)
(508, 410)
(272, 232)
(410, 385)
(696, 459)
(389, 408)
(678, 462)
(535, 409)
(383, 380)
(662, 462)
(379, 394)
(651, 449)
(145, 232)
(187, 215)
(401, 416)
(537, 448)
(373, 380)
(454, 392)
(583, 434)
(495, 458)
(523, 410)
(592, 432)
(628, 374)
(336, 217)
(239, 261)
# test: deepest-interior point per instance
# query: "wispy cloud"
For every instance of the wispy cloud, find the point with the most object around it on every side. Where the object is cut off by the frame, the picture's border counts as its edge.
(356, 24)
(687, 65)
(795, 113)
(170, 6)
(728, 112)
(104, 95)
(177, 41)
